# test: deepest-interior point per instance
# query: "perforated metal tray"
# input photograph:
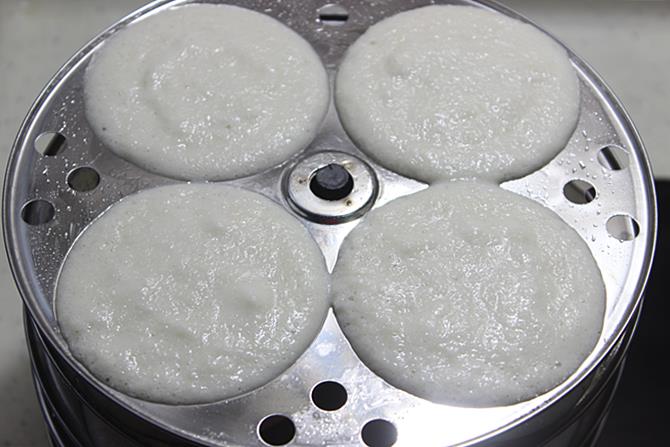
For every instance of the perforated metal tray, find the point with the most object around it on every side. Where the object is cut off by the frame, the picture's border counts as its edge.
(604, 151)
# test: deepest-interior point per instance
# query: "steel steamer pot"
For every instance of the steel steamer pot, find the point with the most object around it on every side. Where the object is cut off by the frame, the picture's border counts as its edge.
(60, 177)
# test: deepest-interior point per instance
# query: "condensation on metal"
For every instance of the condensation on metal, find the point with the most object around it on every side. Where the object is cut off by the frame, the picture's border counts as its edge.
(37, 251)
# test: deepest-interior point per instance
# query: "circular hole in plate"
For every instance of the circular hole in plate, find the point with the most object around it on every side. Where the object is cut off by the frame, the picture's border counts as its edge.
(329, 395)
(623, 227)
(333, 14)
(276, 430)
(37, 212)
(83, 179)
(49, 143)
(579, 192)
(379, 433)
(331, 182)
(613, 158)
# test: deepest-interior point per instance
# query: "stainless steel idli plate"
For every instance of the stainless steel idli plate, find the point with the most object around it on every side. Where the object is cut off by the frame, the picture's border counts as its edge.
(49, 199)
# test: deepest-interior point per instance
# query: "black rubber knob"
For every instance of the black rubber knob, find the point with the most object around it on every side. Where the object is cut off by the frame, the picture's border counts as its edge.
(332, 182)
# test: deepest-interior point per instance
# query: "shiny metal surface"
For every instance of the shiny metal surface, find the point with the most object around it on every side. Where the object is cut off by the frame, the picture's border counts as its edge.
(73, 421)
(355, 204)
(36, 252)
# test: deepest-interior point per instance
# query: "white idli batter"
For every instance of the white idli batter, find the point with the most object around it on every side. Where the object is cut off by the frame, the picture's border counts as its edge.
(468, 294)
(456, 91)
(191, 293)
(207, 92)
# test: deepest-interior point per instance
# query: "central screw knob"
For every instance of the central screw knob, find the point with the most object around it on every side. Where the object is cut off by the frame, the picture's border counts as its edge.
(331, 182)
